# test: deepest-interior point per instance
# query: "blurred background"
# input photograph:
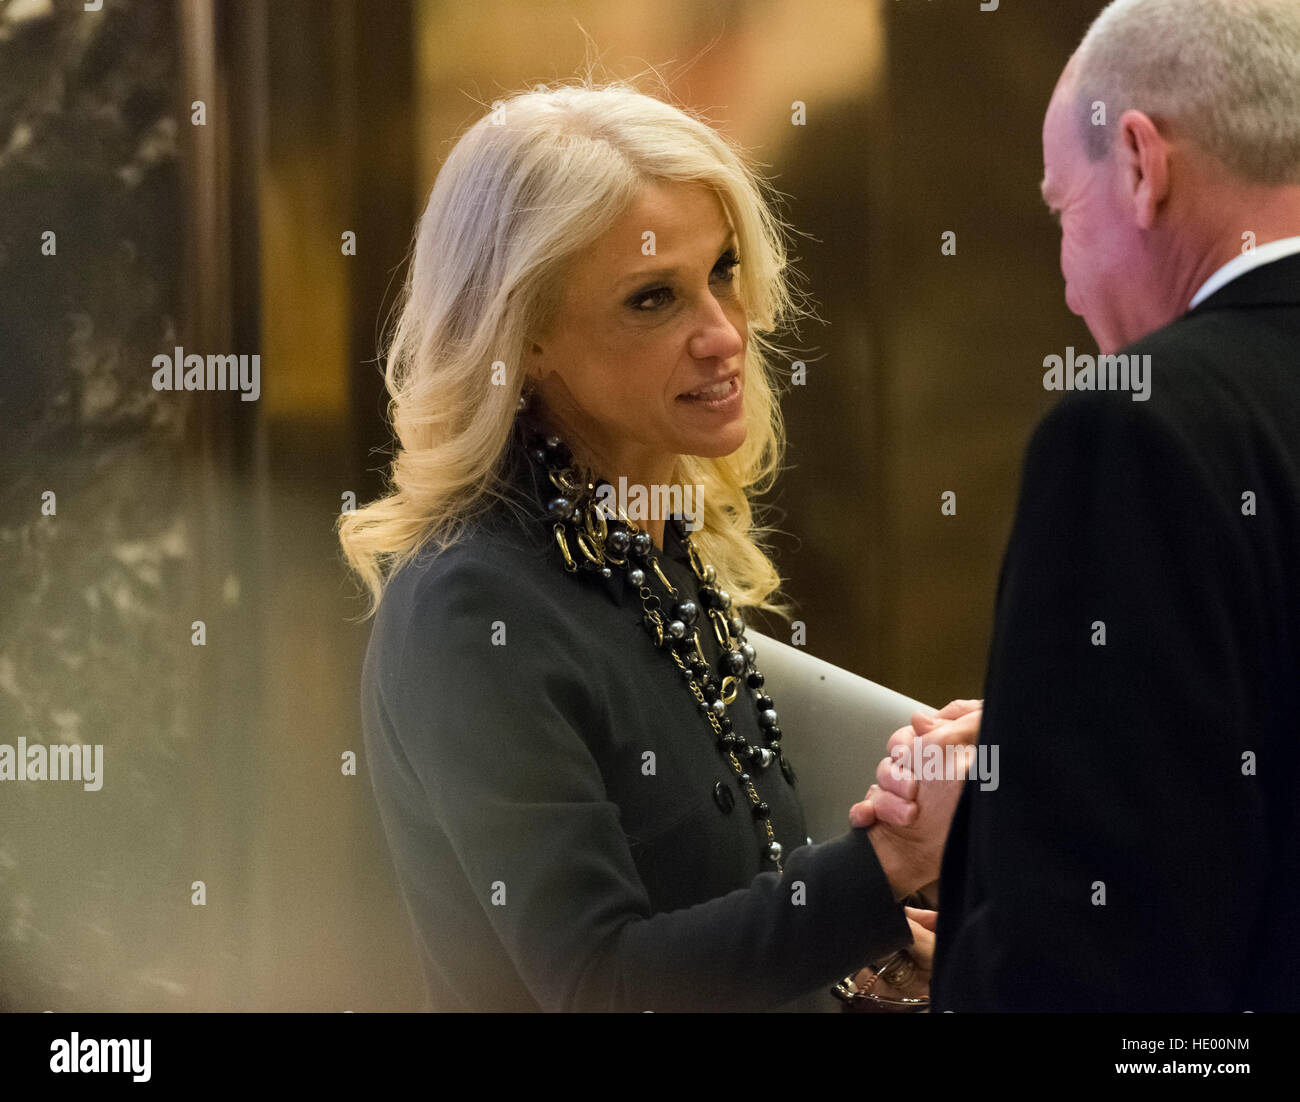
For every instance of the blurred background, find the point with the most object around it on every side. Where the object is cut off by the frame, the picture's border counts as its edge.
(184, 174)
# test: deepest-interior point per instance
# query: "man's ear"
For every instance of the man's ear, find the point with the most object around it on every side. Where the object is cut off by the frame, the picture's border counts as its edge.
(1144, 166)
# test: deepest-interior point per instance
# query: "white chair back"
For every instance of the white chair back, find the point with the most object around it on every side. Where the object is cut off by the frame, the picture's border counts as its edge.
(834, 726)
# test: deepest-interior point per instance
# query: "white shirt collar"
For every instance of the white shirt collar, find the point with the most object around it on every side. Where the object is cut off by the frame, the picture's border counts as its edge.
(1240, 265)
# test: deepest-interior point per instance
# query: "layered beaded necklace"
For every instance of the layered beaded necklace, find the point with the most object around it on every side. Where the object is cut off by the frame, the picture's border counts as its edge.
(591, 540)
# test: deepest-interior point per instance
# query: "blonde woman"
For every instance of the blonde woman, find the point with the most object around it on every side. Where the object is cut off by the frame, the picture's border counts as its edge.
(583, 781)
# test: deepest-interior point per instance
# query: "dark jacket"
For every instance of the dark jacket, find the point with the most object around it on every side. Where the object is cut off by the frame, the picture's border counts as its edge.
(1142, 850)
(544, 863)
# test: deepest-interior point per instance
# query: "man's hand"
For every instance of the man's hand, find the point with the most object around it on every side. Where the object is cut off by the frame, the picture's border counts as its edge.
(893, 798)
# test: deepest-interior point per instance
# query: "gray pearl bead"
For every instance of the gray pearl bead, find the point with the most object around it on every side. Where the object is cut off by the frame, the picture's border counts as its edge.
(710, 573)
(560, 507)
(724, 598)
(676, 629)
(718, 708)
(774, 851)
(636, 576)
(737, 626)
(749, 652)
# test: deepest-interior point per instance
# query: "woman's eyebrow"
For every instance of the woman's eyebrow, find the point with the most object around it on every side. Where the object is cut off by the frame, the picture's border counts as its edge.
(665, 273)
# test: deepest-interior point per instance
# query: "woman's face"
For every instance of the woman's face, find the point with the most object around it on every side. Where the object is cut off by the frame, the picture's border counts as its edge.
(643, 322)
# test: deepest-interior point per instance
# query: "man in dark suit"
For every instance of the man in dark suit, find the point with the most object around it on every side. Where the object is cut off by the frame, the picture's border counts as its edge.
(1141, 850)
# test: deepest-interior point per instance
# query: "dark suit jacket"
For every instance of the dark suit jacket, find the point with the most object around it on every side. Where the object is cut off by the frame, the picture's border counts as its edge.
(543, 865)
(1142, 850)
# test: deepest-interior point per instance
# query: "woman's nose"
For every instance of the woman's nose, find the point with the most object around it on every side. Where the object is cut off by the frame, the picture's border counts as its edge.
(718, 336)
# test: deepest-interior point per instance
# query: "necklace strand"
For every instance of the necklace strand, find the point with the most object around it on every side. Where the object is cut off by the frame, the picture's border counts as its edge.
(602, 542)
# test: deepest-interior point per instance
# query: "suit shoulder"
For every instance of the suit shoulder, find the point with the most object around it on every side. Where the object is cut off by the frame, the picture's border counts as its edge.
(1195, 383)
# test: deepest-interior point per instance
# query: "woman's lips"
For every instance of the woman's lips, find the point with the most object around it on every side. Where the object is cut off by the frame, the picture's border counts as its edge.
(715, 396)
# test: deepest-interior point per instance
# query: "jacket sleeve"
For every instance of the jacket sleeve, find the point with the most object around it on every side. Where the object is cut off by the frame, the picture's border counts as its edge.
(495, 735)
(1118, 863)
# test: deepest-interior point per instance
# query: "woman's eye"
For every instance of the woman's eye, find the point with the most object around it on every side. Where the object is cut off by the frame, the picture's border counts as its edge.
(657, 298)
(726, 266)
(653, 299)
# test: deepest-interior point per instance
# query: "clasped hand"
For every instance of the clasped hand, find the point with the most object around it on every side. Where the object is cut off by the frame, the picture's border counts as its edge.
(909, 816)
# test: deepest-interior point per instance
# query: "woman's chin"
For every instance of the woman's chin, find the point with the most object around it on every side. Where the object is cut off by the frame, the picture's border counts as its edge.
(719, 444)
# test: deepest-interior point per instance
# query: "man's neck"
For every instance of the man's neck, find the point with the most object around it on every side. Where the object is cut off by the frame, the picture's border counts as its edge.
(1242, 222)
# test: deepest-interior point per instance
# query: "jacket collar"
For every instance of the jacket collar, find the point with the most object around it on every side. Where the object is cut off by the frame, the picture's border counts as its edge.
(1273, 284)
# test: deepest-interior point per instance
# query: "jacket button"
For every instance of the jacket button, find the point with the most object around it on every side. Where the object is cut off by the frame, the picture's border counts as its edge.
(723, 797)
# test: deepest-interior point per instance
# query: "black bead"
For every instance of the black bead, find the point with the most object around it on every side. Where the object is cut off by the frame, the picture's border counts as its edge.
(707, 593)
(732, 663)
(773, 734)
(723, 797)
(558, 456)
(767, 718)
(764, 702)
(725, 723)
(755, 679)
(761, 809)
(619, 540)
(699, 669)
(711, 692)
(642, 544)
(687, 612)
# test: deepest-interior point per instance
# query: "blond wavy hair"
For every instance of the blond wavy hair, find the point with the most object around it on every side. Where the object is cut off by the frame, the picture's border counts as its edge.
(527, 188)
